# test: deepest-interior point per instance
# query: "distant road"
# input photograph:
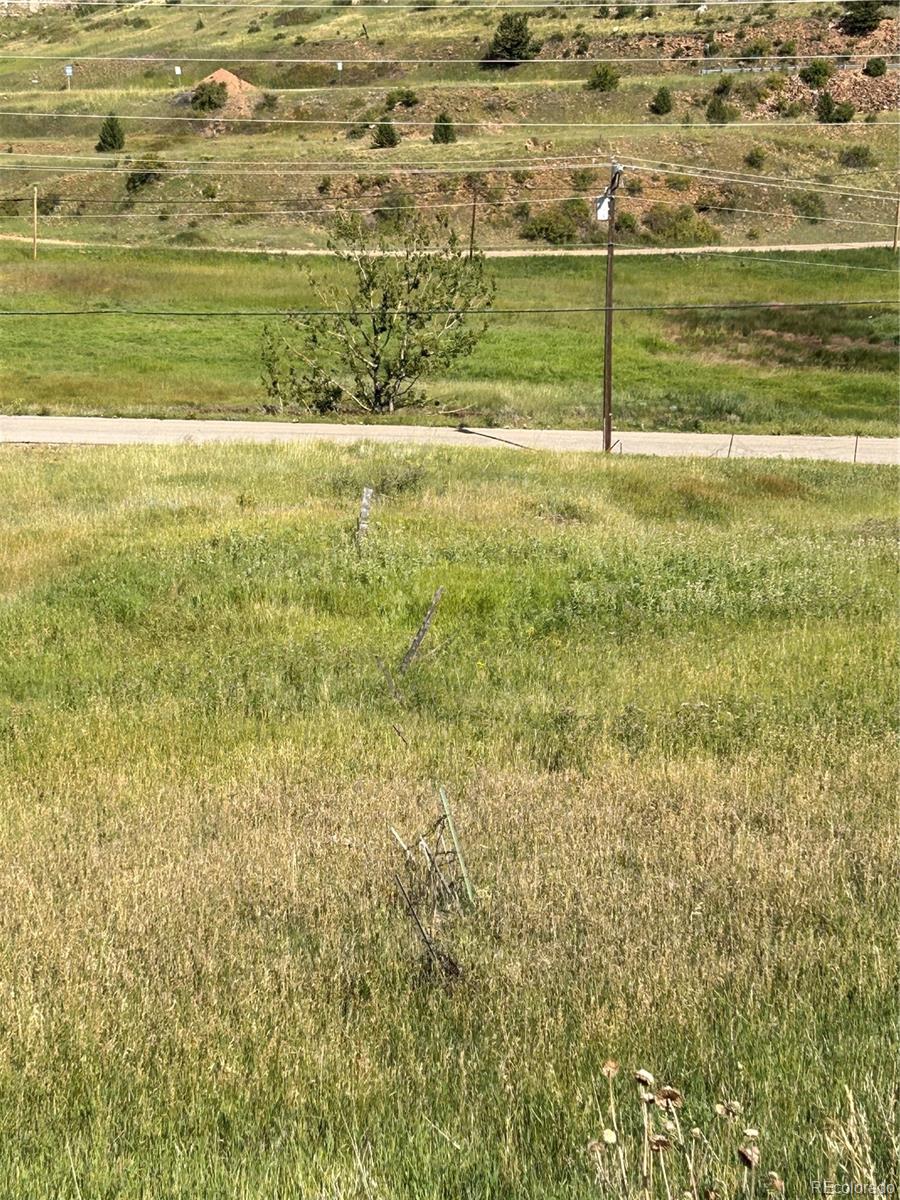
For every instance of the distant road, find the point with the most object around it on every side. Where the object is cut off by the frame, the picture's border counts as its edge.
(512, 252)
(128, 431)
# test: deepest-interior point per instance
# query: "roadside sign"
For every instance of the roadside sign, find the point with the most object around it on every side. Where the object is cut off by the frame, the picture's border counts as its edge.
(178, 71)
(601, 208)
(70, 71)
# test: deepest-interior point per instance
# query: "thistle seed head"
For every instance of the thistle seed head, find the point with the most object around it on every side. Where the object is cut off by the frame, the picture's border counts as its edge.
(749, 1156)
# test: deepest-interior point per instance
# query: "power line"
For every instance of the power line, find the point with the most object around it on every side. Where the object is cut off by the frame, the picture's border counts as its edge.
(331, 121)
(151, 60)
(552, 162)
(805, 262)
(434, 312)
(778, 183)
(405, 208)
(398, 172)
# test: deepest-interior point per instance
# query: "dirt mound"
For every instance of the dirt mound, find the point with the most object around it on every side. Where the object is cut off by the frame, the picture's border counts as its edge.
(242, 100)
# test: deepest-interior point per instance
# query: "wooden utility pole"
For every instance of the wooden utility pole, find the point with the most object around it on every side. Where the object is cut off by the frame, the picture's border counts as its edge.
(897, 227)
(615, 176)
(34, 216)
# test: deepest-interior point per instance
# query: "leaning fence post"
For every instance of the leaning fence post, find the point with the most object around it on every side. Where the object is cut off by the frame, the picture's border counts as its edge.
(420, 635)
(362, 524)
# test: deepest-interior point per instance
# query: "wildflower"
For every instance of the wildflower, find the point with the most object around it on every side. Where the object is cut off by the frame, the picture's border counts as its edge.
(752, 1134)
(659, 1142)
(610, 1068)
(645, 1078)
(667, 1096)
(776, 1183)
(609, 1137)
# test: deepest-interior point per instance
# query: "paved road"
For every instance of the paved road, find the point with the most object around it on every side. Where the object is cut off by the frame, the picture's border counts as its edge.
(512, 252)
(127, 431)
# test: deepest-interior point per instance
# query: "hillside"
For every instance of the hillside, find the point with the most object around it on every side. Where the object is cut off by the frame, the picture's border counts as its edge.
(740, 156)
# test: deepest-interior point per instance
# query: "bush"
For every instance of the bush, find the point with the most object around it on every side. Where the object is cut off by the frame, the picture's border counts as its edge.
(385, 136)
(755, 158)
(512, 41)
(757, 49)
(603, 78)
(403, 96)
(112, 136)
(48, 203)
(521, 210)
(810, 205)
(661, 102)
(875, 68)
(830, 113)
(553, 225)
(678, 183)
(626, 222)
(634, 187)
(583, 178)
(718, 112)
(679, 226)
(443, 132)
(208, 96)
(861, 18)
(144, 173)
(787, 49)
(711, 48)
(858, 158)
(817, 73)
(396, 206)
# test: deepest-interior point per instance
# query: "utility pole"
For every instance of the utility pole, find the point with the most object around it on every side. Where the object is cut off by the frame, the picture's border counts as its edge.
(472, 225)
(606, 210)
(34, 224)
(897, 227)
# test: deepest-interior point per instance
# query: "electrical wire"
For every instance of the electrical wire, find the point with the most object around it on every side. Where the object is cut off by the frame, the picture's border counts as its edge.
(209, 118)
(406, 208)
(645, 165)
(432, 312)
(151, 60)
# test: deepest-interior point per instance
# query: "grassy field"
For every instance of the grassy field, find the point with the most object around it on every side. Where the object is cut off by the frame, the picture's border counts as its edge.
(661, 699)
(794, 371)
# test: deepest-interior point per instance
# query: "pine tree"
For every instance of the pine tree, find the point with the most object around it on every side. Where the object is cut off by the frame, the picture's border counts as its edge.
(661, 102)
(112, 136)
(512, 40)
(861, 17)
(385, 135)
(443, 132)
(603, 78)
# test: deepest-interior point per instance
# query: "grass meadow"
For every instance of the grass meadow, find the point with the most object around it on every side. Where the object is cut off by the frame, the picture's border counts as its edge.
(661, 697)
(825, 371)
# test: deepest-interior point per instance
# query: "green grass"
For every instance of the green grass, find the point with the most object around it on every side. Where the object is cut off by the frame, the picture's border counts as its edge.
(794, 371)
(661, 697)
